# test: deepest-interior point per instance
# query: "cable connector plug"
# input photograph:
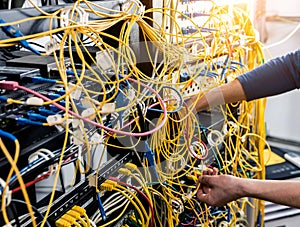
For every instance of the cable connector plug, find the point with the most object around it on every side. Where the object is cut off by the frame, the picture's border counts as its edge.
(131, 166)
(124, 171)
(79, 209)
(106, 187)
(113, 183)
(61, 223)
(15, 33)
(9, 85)
(114, 179)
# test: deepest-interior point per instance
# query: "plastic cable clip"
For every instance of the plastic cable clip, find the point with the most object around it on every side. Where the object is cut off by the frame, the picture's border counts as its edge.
(51, 46)
(66, 17)
(77, 137)
(108, 108)
(105, 59)
(54, 119)
(76, 93)
(131, 95)
(34, 101)
(87, 103)
(89, 113)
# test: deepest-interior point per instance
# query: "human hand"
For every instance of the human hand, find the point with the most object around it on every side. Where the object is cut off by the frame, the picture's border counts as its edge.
(217, 190)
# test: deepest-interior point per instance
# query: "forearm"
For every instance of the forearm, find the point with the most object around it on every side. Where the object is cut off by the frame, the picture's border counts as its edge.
(227, 93)
(281, 192)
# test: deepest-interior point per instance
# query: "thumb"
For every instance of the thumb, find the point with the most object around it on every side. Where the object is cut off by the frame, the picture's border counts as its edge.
(202, 197)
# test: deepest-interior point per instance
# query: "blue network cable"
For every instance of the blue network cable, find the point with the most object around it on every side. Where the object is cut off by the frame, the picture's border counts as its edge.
(15, 33)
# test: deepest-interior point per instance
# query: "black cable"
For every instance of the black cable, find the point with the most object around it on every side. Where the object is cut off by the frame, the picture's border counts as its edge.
(37, 44)
(13, 209)
(44, 2)
(33, 207)
(62, 182)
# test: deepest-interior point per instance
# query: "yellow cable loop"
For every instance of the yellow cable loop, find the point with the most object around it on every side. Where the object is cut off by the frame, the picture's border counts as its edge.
(14, 168)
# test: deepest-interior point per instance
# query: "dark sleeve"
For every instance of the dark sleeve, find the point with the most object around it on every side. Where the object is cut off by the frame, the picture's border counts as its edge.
(274, 77)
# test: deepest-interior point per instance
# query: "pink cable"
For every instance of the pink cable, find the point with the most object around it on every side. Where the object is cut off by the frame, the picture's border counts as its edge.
(164, 108)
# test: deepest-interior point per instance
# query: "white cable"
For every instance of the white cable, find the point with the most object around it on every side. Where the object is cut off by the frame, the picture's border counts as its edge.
(99, 217)
(283, 40)
(9, 4)
(92, 223)
(111, 200)
(217, 141)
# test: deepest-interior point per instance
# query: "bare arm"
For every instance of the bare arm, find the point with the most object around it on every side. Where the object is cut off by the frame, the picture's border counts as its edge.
(217, 190)
(226, 93)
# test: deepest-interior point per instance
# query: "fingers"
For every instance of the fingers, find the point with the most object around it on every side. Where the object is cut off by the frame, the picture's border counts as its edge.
(202, 197)
(204, 180)
(210, 171)
(206, 188)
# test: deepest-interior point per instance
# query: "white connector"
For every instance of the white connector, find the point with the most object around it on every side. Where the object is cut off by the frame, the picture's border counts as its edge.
(76, 92)
(54, 119)
(51, 46)
(7, 198)
(105, 59)
(89, 113)
(68, 14)
(34, 101)
(108, 108)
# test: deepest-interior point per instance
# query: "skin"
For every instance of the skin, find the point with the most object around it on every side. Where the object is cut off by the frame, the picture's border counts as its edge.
(217, 190)
(227, 93)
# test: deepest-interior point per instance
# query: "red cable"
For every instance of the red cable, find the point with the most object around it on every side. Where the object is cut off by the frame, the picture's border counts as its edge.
(28, 184)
